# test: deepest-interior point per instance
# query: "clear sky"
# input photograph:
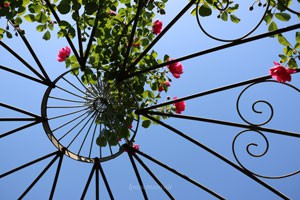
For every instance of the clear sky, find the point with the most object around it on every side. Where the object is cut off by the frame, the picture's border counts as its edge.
(217, 69)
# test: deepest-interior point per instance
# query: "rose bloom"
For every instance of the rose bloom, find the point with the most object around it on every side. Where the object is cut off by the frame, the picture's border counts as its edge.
(179, 106)
(6, 5)
(63, 54)
(176, 69)
(281, 73)
(157, 27)
(136, 146)
(113, 12)
(161, 86)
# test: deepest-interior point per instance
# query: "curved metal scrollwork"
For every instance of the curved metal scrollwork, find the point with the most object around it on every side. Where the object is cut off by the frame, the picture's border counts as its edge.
(263, 146)
(221, 9)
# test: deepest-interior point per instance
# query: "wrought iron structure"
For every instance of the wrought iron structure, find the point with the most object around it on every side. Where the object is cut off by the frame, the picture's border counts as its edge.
(69, 109)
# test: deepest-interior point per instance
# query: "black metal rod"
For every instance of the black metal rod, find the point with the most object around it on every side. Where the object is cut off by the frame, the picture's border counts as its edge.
(97, 185)
(16, 119)
(81, 130)
(36, 59)
(61, 156)
(153, 176)
(66, 36)
(70, 92)
(68, 100)
(73, 85)
(23, 75)
(19, 129)
(247, 173)
(138, 176)
(69, 122)
(92, 141)
(179, 174)
(88, 182)
(211, 50)
(74, 126)
(106, 182)
(18, 110)
(38, 177)
(246, 126)
(136, 19)
(63, 107)
(71, 113)
(28, 164)
(158, 37)
(22, 60)
(79, 37)
(87, 133)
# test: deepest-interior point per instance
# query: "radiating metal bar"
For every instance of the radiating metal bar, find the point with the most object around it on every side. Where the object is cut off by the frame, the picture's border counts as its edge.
(61, 156)
(64, 115)
(87, 133)
(131, 38)
(138, 176)
(19, 129)
(28, 164)
(74, 86)
(92, 141)
(179, 174)
(79, 37)
(88, 182)
(158, 37)
(69, 122)
(38, 177)
(66, 36)
(74, 127)
(22, 60)
(211, 50)
(97, 185)
(23, 75)
(106, 182)
(88, 48)
(18, 110)
(70, 92)
(153, 176)
(68, 100)
(16, 119)
(67, 106)
(246, 126)
(247, 173)
(35, 57)
(80, 130)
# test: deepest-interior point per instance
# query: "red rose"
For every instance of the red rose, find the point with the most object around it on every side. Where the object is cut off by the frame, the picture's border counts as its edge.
(281, 73)
(179, 106)
(157, 27)
(63, 54)
(162, 85)
(176, 69)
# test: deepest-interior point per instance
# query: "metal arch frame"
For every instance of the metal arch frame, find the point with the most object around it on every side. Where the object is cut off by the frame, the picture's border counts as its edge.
(134, 155)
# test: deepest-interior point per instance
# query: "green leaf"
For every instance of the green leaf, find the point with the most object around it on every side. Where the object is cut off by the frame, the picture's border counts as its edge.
(194, 12)
(282, 40)
(272, 26)
(205, 10)
(298, 37)
(234, 18)
(8, 34)
(18, 21)
(64, 7)
(292, 63)
(146, 123)
(224, 16)
(64, 24)
(29, 17)
(283, 16)
(47, 35)
(101, 141)
(41, 17)
(41, 27)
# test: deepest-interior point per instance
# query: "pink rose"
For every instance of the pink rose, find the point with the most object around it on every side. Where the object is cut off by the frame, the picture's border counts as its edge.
(176, 69)
(179, 106)
(136, 146)
(6, 5)
(63, 54)
(157, 27)
(111, 12)
(162, 85)
(281, 73)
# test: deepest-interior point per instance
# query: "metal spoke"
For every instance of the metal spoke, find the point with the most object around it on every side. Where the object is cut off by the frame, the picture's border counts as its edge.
(247, 173)
(105, 182)
(88, 182)
(20, 128)
(64, 115)
(61, 156)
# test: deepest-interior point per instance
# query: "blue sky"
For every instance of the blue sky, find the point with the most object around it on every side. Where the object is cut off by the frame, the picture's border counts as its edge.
(202, 73)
